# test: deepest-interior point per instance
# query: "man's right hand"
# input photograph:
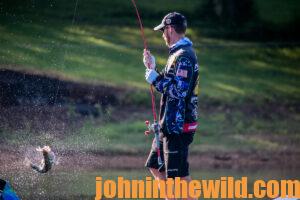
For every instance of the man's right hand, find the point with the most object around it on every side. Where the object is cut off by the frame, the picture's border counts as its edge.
(148, 59)
(151, 75)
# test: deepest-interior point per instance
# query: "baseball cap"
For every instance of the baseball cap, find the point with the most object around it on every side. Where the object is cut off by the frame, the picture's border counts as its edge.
(173, 18)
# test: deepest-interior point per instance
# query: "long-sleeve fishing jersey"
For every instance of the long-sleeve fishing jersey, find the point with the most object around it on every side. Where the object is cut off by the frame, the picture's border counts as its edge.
(178, 83)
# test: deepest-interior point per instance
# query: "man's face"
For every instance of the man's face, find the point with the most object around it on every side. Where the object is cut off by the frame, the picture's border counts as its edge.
(167, 34)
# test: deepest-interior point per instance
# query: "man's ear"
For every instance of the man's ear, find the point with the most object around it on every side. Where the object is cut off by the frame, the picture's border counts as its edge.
(169, 30)
(172, 30)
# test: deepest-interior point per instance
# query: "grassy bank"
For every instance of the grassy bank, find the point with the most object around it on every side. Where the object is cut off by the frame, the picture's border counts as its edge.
(249, 91)
(221, 130)
(229, 70)
(95, 43)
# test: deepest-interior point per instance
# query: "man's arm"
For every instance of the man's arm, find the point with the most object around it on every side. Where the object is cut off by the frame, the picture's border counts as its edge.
(176, 82)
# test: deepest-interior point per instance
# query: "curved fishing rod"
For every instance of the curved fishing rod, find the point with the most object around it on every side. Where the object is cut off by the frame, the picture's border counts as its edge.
(146, 47)
(153, 128)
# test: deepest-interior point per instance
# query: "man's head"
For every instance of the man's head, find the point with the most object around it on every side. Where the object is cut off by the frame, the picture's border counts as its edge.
(173, 27)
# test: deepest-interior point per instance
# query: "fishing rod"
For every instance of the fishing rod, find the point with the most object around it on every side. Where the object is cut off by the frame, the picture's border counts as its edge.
(154, 127)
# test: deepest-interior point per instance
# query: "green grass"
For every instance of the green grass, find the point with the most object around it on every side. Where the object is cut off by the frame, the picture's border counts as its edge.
(112, 55)
(106, 47)
(238, 132)
(99, 49)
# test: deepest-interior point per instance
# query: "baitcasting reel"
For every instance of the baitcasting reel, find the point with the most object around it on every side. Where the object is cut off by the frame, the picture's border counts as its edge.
(155, 128)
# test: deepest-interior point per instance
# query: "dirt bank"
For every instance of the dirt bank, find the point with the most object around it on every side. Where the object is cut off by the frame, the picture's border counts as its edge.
(42, 104)
(24, 88)
(12, 159)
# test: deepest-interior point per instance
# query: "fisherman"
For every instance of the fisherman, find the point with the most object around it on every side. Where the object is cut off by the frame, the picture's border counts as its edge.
(178, 84)
(6, 192)
(47, 161)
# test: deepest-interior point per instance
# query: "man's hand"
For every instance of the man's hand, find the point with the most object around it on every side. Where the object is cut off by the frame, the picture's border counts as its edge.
(149, 59)
(151, 75)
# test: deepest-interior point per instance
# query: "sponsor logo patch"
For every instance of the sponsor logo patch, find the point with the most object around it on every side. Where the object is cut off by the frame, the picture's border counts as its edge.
(182, 73)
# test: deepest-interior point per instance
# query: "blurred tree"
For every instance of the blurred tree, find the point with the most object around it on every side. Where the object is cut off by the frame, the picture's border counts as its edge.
(227, 12)
(15, 5)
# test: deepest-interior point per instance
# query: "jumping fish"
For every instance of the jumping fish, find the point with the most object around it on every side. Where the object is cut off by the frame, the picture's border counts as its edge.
(46, 162)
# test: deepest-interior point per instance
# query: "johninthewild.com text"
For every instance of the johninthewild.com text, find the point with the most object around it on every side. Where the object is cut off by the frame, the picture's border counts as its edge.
(225, 187)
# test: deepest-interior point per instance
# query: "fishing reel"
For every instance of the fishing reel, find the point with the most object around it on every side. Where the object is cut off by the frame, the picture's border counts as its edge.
(155, 128)
(152, 128)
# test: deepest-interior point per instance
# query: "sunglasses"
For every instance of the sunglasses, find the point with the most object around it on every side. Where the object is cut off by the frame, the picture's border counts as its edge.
(163, 29)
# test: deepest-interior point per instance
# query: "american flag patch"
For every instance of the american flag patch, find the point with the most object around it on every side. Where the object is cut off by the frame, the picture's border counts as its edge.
(182, 73)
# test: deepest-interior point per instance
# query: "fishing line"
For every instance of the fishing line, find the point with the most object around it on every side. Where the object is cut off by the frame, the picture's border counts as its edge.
(73, 21)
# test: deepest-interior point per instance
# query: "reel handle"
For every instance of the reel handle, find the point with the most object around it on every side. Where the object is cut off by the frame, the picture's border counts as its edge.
(148, 132)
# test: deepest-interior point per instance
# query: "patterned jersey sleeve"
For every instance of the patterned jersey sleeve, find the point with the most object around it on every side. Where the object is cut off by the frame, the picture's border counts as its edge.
(176, 82)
